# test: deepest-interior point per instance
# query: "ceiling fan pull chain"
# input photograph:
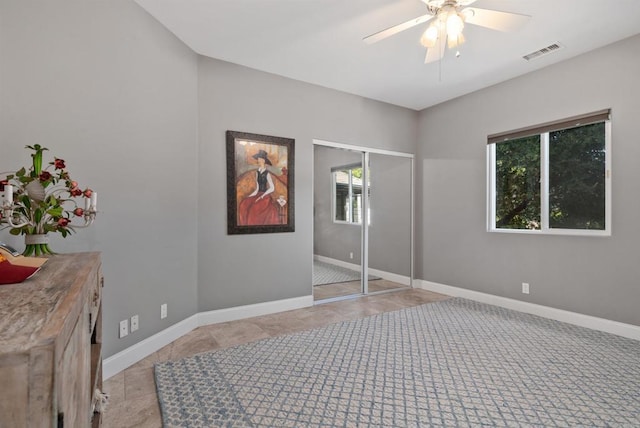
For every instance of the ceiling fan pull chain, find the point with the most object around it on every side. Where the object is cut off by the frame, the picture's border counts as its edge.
(440, 70)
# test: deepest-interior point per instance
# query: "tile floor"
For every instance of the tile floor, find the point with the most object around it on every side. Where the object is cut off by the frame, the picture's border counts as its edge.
(133, 401)
(328, 291)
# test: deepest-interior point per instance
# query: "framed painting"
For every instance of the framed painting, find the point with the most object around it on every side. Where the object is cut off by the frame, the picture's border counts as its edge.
(260, 188)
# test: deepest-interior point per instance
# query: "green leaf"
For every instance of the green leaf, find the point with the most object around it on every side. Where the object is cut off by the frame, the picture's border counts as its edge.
(37, 215)
(15, 232)
(55, 212)
(26, 202)
(21, 172)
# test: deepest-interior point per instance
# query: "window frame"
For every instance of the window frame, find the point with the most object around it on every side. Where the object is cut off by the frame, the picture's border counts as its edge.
(334, 195)
(544, 182)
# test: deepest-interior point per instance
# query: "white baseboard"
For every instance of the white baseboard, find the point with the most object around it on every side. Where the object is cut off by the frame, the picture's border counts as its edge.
(336, 262)
(128, 357)
(614, 327)
(389, 276)
(256, 310)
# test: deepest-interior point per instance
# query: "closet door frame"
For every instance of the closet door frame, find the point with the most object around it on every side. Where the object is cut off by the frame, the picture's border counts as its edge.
(364, 259)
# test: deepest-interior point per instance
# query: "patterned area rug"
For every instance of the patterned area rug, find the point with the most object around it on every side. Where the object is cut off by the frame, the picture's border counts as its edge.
(326, 273)
(450, 363)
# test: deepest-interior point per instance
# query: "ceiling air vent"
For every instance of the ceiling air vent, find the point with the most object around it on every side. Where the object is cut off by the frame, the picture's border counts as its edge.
(544, 51)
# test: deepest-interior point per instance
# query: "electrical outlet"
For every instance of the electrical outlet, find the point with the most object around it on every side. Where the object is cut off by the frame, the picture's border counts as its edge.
(124, 328)
(525, 288)
(163, 311)
(134, 323)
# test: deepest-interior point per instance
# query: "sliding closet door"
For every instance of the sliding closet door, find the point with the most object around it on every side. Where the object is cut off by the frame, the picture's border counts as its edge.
(390, 222)
(337, 223)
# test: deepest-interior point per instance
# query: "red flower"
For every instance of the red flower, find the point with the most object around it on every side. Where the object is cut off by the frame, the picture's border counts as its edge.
(73, 184)
(45, 175)
(3, 183)
(88, 192)
(63, 222)
(75, 191)
(59, 163)
(79, 212)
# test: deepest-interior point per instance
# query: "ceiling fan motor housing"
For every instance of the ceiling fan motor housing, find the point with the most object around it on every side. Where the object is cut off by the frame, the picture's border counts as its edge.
(440, 3)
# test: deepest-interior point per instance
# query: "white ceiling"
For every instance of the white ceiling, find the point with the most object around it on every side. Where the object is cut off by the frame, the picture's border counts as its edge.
(320, 41)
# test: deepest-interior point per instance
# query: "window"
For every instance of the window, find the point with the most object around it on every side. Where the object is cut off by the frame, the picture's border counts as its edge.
(552, 178)
(347, 190)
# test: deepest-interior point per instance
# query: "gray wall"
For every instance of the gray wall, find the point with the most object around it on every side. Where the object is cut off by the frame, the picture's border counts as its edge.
(591, 275)
(243, 269)
(115, 94)
(106, 88)
(141, 118)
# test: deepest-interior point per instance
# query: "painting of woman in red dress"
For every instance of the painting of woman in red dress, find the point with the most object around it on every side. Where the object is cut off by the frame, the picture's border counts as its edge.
(259, 208)
(260, 193)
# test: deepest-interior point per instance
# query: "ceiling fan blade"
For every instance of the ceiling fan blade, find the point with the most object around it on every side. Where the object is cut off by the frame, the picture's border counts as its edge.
(376, 37)
(495, 20)
(434, 54)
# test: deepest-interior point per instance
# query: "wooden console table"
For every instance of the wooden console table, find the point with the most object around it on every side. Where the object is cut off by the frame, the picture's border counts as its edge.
(50, 344)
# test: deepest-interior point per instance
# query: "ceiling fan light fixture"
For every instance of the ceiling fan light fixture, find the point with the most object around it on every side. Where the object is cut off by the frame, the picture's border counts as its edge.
(453, 43)
(455, 25)
(430, 36)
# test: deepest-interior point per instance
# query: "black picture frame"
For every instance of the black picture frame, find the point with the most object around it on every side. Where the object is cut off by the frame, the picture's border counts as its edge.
(260, 201)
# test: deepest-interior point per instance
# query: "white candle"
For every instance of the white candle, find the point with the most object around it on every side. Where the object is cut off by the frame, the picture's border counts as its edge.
(94, 200)
(87, 204)
(8, 194)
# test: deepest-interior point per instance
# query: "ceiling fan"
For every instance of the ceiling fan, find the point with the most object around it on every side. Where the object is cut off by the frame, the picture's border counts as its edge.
(448, 19)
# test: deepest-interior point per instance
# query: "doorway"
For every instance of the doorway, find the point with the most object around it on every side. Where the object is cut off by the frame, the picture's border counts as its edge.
(363, 221)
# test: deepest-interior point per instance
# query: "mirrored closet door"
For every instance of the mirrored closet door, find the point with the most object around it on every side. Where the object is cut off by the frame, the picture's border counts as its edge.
(337, 222)
(362, 221)
(389, 228)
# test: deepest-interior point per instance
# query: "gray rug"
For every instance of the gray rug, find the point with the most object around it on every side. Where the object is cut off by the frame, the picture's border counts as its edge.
(326, 273)
(451, 363)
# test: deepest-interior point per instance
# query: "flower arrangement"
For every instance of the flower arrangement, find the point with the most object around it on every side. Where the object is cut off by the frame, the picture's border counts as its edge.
(41, 200)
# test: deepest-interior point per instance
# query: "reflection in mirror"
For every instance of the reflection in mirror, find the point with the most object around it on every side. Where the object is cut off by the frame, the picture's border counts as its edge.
(347, 193)
(337, 232)
(389, 234)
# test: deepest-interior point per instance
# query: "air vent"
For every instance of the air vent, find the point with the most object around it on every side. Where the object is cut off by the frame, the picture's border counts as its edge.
(544, 51)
